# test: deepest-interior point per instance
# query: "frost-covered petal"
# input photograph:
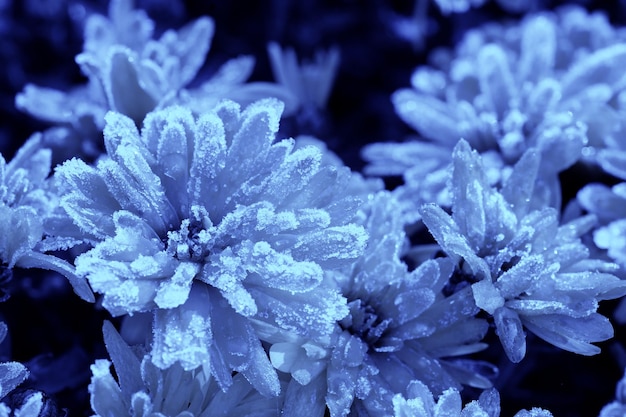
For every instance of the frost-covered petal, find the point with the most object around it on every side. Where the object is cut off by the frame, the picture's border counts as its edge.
(448, 235)
(11, 375)
(89, 203)
(428, 115)
(183, 334)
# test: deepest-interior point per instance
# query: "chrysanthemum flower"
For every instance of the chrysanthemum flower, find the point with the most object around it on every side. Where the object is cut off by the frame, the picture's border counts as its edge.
(26, 201)
(143, 390)
(209, 223)
(310, 83)
(399, 328)
(550, 83)
(608, 204)
(420, 402)
(525, 269)
(133, 73)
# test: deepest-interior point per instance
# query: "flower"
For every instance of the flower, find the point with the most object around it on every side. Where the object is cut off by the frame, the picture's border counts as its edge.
(608, 204)
(310, 83)
(26, 201)
(399, 328)
(210, 224)
(145, 390)
(547, 83)
(132, 73)
(420, 402)
(525, 269)
(13, 374)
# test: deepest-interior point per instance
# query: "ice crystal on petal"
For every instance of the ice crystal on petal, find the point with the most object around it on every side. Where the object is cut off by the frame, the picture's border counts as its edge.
(524, 268)
(11, 375)
(214, 227)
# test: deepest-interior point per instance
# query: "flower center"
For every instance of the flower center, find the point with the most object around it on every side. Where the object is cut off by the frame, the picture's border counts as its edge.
(364, 323)
(189, 243)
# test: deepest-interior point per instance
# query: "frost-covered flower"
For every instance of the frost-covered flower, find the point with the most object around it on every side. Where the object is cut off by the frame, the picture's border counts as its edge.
(420, 402)
(524, 268)
(144, 390)
(399, 328)
(549, 82)
(210, 224)
(26, 201)
(132, 73)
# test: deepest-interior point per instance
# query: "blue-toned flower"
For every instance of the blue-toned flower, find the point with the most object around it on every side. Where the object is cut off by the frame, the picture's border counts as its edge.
(12, 374)
(548, 83)
(32, 405)
(132, 73)
(608, 204)
(144, 390)
(419, 402)
(210, 224)
(26, 200)
(399, 328)
(525, 269)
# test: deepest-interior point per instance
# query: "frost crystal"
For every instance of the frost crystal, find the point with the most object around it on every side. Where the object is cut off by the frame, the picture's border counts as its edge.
(210, 224)
(525, 269)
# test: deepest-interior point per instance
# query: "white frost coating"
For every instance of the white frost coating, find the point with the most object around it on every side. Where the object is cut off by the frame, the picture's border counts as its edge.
(183, 334)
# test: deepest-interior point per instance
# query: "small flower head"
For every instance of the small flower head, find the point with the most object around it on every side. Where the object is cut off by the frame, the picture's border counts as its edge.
(524, 268)
(399, 328)
(26, 202)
